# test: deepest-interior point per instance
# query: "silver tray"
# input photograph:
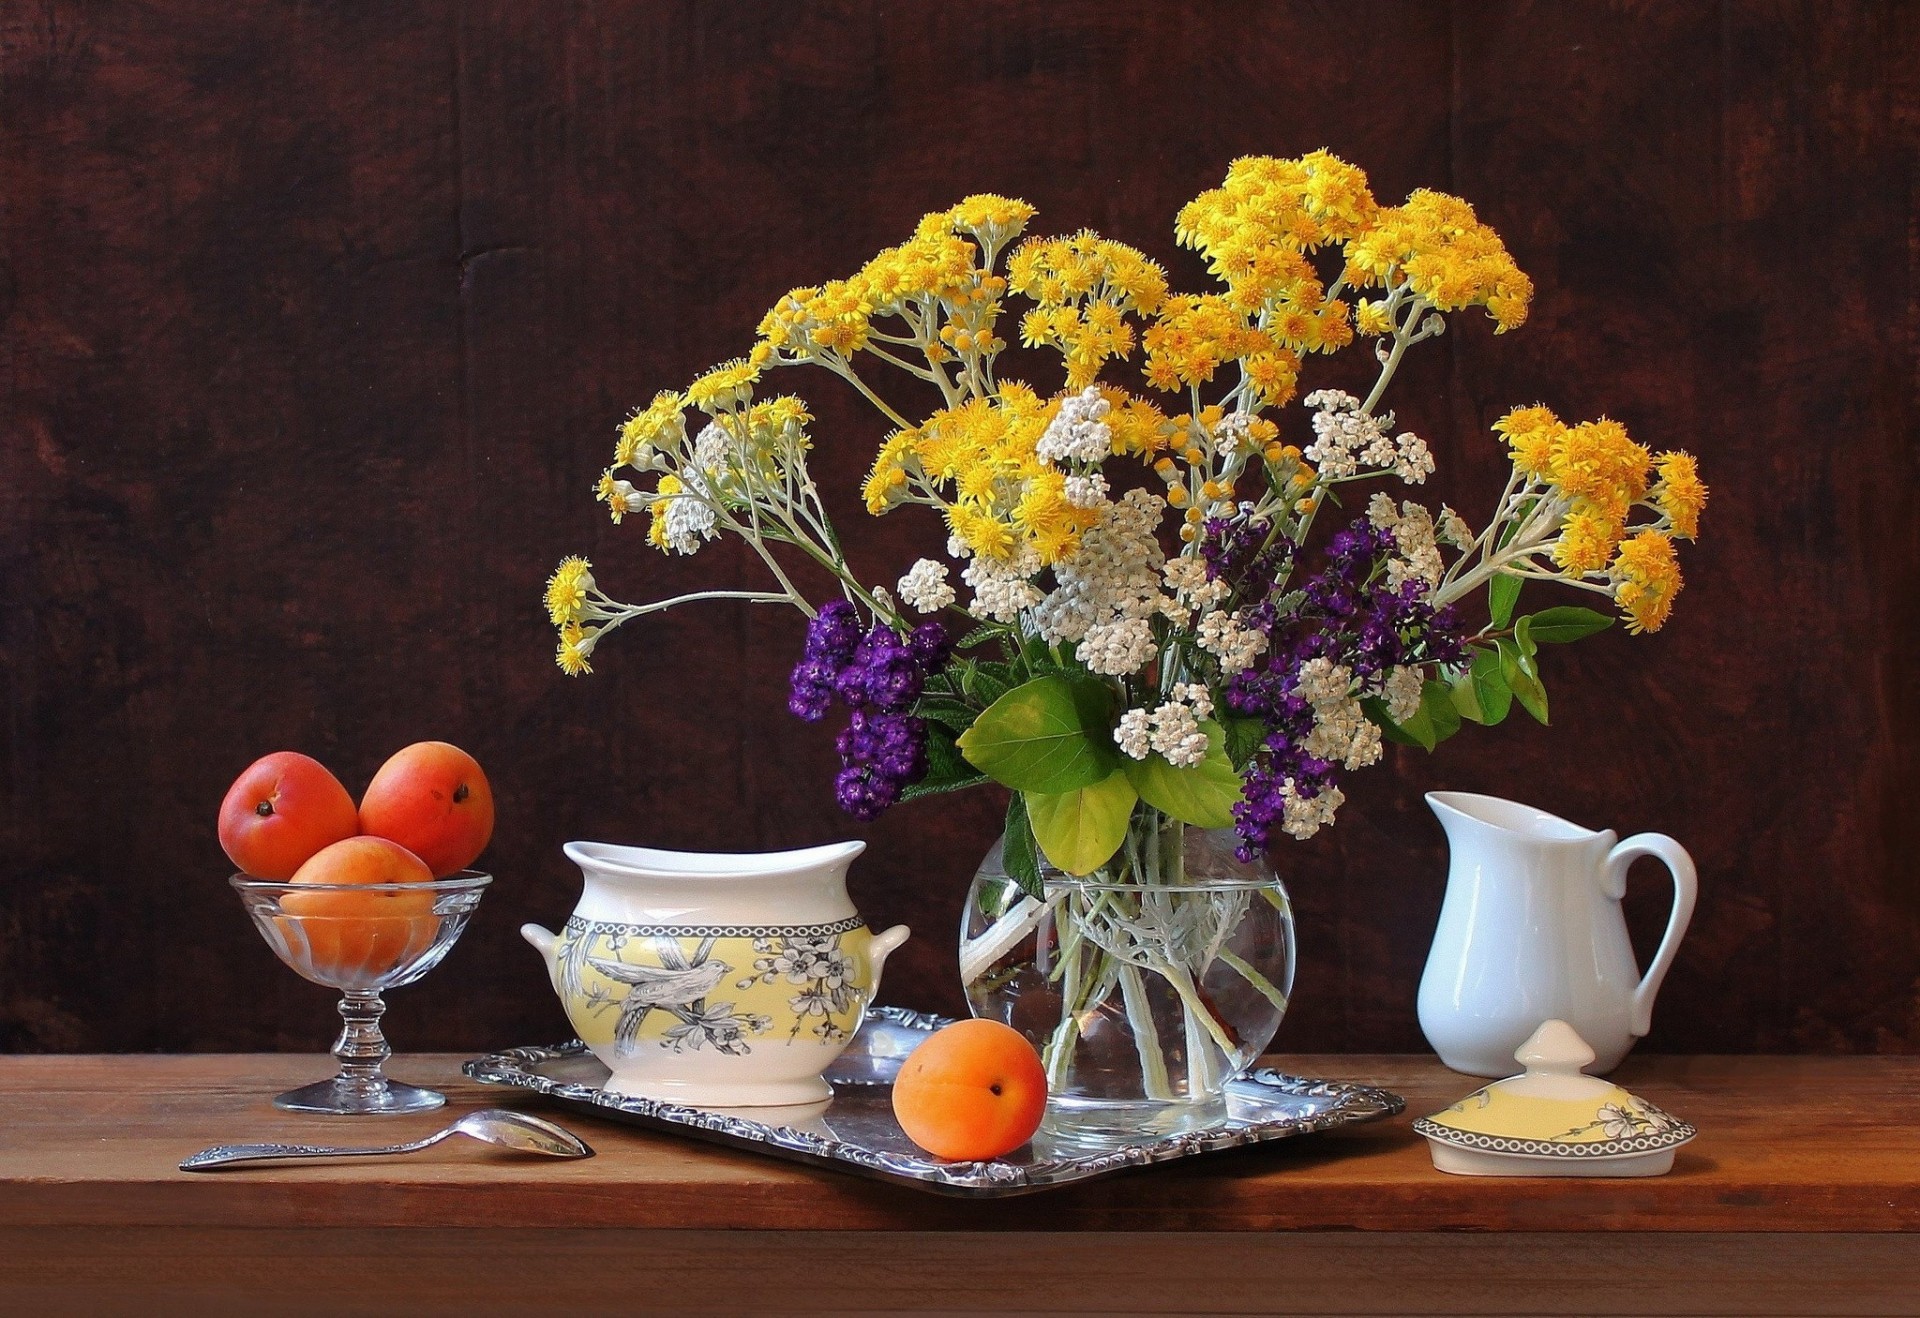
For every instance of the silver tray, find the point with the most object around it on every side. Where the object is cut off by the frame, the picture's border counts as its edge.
(856, 1132)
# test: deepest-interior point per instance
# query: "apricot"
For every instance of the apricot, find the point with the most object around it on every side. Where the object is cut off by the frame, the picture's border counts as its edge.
(353, 939)
(433, 800)
(285, 807)
(973, 1090)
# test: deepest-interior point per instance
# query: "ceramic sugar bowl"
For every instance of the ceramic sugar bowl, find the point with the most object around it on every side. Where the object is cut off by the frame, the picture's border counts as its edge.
(1553, 1121)
(715, 980)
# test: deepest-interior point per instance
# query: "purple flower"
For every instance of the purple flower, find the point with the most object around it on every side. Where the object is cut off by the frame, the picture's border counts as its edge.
(1350, 614)
(878, 676)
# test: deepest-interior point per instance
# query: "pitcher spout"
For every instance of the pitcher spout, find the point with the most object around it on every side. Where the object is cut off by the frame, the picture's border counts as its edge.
(1464, 813)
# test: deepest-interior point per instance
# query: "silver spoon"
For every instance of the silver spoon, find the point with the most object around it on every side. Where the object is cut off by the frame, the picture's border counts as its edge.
(512, 1130)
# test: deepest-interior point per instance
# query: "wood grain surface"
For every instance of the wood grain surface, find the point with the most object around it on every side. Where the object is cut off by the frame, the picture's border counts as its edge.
(1787, 1144)
(1801, 1196)
(423, 1271)
(316, 322)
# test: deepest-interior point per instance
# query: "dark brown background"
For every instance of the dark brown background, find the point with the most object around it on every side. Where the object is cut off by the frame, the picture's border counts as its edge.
(319, 320)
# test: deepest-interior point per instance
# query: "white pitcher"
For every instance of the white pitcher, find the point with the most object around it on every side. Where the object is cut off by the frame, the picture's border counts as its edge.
(1532, 930)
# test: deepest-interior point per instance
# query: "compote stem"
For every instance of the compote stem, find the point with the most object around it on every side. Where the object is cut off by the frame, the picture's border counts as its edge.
(362, 1047)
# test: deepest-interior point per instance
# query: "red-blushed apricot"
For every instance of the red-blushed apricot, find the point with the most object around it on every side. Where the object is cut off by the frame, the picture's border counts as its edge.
(282, 810)
(354, 938)
(433, 800)
(973, 1090)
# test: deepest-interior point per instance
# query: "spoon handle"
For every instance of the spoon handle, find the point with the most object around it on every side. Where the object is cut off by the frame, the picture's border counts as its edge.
(222, 1155)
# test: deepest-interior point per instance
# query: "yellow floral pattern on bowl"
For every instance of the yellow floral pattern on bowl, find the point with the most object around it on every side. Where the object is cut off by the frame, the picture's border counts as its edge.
(1613, 1115)
(730, 989)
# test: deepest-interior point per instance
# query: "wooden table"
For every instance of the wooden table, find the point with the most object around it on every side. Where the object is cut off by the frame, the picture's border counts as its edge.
(1801, 1195)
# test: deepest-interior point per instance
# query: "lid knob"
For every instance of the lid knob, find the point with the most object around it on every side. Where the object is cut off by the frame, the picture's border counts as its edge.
(1556, 1048)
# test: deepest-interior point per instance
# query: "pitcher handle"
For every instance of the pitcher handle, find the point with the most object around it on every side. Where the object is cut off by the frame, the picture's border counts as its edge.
(1686, 888)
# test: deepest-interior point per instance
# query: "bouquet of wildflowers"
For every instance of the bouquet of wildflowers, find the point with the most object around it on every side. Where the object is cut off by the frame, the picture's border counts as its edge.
(1132, 615)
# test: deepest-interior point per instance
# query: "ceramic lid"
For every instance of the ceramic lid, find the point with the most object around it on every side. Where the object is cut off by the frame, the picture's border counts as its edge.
(1553, 1110)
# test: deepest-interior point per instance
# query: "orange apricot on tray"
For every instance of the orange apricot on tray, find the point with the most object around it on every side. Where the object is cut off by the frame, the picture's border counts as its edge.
(974, 1090)
(355, 938)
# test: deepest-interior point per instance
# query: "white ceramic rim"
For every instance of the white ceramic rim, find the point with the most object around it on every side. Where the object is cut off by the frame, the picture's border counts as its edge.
(653, 862)
(1498, 812)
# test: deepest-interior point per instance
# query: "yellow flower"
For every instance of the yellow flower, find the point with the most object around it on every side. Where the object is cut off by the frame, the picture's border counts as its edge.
(567, 590)
(1532, 433)
(648, 426)
(616, 494)
(982, 532)
(1646, 577)
(886, 484)
(657, 512)
(1371, 319)
(1445, 254)
(576, 643)
(990, 218)
(1193, 336)
(1596, 464)
(1257, 227)
(1680, 494)
(1586, 543)
(726, 386)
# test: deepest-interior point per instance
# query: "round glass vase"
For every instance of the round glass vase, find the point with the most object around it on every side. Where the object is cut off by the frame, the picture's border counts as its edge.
(1146, 985)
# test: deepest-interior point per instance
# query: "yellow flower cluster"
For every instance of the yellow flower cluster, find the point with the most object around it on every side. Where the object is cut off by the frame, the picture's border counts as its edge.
(725, 387)
(983, 454)
(1195, 335)
(1679, 495)
(670, 486)
(1257, 227)
(1082, 286)
(1446, 255)
(1602, 474)
(936, 269)
(661, 420)
(1646, 577)
(567, 590)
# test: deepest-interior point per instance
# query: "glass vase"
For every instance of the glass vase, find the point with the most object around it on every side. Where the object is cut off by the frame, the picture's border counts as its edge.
(1146, 985)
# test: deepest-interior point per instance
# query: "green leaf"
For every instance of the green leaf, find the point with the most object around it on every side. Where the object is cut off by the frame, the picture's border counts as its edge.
(1080, 830)
(1523, 675)
(1566, 623)
(1503, 592)
(1200, 794)
(946, 771)
(1523, 637)
(1244, 736)
(1481, 693)
(978, 636)
(1047, 735)
(1393, 732)
(986, 682)
(1017, 854)
(1436, 706)
(946, 711)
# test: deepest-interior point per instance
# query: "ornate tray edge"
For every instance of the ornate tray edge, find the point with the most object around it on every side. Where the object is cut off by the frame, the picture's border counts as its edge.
(1353, 1104)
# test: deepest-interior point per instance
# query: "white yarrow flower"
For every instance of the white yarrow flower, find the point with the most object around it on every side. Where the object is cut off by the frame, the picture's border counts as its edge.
(925, 588)
(1116, 649)
(1453, 529)
(1236, 645)
(1402, 693)
(1134, 736)
(1413, 462)
(1086, 491)
(1078, 431)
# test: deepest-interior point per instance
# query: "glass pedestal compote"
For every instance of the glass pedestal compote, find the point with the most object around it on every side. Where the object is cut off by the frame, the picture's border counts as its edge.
(361, 939)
